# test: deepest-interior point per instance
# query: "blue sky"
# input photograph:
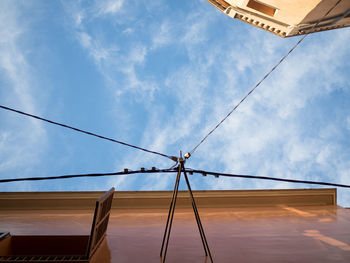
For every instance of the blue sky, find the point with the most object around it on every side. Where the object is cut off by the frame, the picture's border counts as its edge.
(160, 74)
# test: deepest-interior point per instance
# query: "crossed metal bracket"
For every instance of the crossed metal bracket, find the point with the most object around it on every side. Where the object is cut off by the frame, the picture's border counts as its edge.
(163, 251)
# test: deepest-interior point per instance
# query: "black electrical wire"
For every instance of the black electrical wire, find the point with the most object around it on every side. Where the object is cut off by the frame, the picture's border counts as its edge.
(173, 158)
(172, 170)
(273, 68)
(69, 176)
(267, 178)
(243, 99)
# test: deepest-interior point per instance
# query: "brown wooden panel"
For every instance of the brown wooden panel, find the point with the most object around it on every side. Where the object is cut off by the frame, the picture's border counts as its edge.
(265, 9)
(5, 246)
(100, 221)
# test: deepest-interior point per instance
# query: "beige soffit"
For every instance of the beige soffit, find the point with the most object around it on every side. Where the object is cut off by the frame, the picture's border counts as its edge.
(161, 199)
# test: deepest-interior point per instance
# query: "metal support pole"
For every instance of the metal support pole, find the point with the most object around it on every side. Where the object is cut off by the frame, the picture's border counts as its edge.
(199, 223)
(165, 242)
(163, 250)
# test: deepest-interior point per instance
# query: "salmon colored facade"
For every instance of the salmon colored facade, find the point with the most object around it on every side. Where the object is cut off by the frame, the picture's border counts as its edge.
(240, 226)
(287, 18)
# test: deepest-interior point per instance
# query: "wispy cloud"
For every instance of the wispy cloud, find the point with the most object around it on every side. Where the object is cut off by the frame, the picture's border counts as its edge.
(22, 140)
(163, 35)
(115, 62)
(109, 6)
(348, 123)
(100, 53)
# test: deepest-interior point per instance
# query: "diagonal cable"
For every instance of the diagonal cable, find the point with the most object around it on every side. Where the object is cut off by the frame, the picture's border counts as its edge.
(258, 84)
(88, 133)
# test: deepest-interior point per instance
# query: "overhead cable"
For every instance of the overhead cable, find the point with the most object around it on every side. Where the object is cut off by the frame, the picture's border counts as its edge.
(173, 158)
(173, 170)
(70, 176)
(216, 174)
(187, 155)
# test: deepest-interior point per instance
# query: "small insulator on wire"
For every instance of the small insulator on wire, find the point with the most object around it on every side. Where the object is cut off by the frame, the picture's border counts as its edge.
(216, 176)
(174, 158)
(153, 168)
(187, 155)
(204, 174)
(126, 170)
(190, 172)
(142, 169)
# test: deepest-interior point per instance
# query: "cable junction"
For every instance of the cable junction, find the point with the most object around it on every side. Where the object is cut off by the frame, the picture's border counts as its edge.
(173, 158)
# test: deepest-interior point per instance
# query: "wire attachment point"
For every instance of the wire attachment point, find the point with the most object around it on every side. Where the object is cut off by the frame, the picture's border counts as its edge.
(174, 158)
(187, 155)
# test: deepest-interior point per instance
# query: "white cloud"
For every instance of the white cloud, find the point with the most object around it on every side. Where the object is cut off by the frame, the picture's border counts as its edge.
(299, 151)
(348, 123)
(79, 17)
(128, 31)
(137, 54)
(109, 6)
(308, 63)
(22, 140)
(116, 64)
(324, 154)
(195, 33)
(99, 52)
(162, 36)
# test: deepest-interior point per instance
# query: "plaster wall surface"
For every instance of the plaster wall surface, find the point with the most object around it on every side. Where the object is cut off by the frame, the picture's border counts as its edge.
(235, 234)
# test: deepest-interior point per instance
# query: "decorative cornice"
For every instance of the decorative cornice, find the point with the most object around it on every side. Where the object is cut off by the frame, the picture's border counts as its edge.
(161, 199)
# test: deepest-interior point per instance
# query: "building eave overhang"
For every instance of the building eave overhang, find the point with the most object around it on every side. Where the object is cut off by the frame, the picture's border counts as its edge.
(161, 199)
